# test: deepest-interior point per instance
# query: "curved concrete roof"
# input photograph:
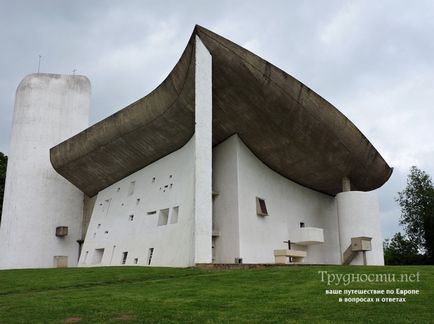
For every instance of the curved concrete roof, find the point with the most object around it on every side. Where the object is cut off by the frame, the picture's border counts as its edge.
(285, 124)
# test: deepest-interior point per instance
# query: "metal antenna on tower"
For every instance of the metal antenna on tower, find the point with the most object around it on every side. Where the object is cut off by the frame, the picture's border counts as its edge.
(39, 62)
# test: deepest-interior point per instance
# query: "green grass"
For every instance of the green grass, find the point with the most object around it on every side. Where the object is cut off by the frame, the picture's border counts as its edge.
(138, 294)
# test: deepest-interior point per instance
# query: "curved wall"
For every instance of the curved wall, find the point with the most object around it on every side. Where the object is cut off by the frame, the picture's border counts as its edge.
(49, 108)
(358, 215)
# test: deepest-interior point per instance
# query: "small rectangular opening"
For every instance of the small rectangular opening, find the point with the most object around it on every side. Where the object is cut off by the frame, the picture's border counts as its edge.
(136, 260)
(150, 253)
(153, 212)
(124, 257)
(131, 218)
(261, 207)
(131, 189)
(301, 224)
(174, 216)
(61, 231)
(163, 217)
(97, 256)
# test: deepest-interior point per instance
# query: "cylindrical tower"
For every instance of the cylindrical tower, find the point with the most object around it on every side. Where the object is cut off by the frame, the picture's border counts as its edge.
(359, 216)
(49, 108)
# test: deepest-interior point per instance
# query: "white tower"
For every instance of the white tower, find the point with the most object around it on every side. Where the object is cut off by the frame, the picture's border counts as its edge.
(49, 108)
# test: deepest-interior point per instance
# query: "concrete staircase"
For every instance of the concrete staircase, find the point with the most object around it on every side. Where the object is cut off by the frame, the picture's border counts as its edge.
(349, 255)
(358, 244)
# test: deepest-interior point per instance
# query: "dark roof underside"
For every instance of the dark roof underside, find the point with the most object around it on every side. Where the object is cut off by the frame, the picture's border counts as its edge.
(285, 124)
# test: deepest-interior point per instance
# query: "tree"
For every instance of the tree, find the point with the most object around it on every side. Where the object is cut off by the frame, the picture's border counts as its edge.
(3, 165)
(417, 211)
(401, 250)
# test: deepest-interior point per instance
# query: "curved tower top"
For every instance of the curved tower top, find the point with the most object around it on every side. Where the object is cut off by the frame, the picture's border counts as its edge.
(49, 108)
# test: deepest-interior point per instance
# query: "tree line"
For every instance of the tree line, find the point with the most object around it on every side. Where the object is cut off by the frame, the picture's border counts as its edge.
(416, 245)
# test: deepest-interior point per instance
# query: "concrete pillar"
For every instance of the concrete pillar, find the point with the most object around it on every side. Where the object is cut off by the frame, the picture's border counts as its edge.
(203, 158)
(346, 184)
(49, 108)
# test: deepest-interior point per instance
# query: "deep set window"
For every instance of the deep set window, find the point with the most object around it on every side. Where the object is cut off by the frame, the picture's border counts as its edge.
(261, 207)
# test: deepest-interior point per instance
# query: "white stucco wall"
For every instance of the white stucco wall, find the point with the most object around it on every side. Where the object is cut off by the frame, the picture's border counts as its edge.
(359, 216)
(288, 204)
(166, 183)
(49, 108)
(225, 206)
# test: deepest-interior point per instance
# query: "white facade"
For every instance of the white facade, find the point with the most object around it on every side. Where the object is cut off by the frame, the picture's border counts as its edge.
(240, 177)
(49, 108)
(154, 208)
(150, 209)
(198, 204)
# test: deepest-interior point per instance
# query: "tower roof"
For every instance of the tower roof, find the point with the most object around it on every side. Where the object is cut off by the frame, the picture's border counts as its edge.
(289, 127)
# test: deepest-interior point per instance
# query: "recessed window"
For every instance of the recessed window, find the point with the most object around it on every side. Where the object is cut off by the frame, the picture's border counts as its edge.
(137, 201)
(106, 232)
(153, 180)
(150, 253)
(136, 260)
(153, 212)
(106, 205)
(99, 225)
(174, 216)
(124, 257)
(261, 207)
(97, 256)
(301, 224)
(131, 189)
(131, 218)
(118, 189)
(163, 217)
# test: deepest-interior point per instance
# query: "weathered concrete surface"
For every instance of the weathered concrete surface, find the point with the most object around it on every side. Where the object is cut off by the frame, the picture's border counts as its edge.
(49, 108)
(288, 126)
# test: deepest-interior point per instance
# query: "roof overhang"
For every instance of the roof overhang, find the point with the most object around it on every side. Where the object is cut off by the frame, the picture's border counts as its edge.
(285, 124)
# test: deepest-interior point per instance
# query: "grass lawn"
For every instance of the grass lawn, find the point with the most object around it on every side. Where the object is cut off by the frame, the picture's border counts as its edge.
(139, 294)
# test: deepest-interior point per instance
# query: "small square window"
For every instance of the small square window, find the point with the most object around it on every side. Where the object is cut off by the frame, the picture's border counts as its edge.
(174, 216)
(136, 260)
(131, 218)
(261, 207)
(163, 217)
(301, 224)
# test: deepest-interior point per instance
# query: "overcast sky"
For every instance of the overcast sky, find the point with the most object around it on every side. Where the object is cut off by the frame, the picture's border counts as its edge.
(374, 60)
